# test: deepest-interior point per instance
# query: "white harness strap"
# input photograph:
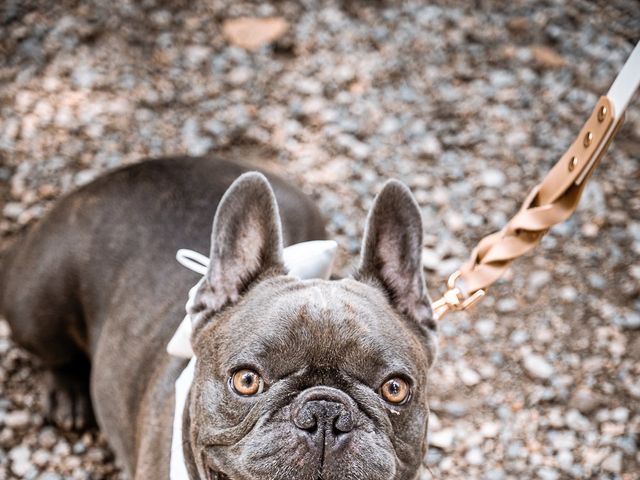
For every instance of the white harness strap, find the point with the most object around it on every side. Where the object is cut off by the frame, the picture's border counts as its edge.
(177, 466)
(303, 260)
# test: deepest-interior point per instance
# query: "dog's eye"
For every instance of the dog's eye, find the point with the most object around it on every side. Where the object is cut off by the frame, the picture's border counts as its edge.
(395, 390)
(247, 382)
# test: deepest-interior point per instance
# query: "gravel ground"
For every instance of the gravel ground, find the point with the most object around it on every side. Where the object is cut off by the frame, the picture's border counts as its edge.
(469, 106)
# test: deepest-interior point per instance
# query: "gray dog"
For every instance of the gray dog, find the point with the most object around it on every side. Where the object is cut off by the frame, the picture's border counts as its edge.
(295, 379)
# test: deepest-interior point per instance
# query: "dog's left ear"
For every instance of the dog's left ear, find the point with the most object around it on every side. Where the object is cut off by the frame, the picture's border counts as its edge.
(392, 252)
(246, 243)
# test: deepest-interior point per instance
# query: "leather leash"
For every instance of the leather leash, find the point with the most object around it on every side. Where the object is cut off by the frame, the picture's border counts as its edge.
(552, 201)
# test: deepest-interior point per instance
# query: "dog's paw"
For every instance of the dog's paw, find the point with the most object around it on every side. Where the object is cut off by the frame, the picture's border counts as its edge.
(66, 400)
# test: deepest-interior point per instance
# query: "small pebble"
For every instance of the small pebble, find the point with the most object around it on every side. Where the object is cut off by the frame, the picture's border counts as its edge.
(538, 367)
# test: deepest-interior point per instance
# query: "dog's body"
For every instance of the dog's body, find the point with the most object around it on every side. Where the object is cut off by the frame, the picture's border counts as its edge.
(96, 281)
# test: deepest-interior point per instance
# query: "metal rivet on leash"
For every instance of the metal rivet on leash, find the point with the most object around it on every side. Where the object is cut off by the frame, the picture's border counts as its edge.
(587, 139)
(572, 163)
(602, 113)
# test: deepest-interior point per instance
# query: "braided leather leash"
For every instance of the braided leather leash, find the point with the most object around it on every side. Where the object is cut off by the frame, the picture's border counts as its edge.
(551, 202)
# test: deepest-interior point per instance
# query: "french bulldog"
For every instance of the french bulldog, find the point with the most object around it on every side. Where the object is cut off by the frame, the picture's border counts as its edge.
(294, 379)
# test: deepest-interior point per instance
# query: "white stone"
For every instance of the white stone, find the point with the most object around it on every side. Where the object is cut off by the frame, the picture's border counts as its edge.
(197, 54)
(430, 258)
(490, 429)
(565, 459)
(469, 376)
(20, 464)
(17, 419)
(546, 473)
(507, 305)
(620, 415)
(12, 210)
(84, 75)
(613, 463)
(442, 439)
(493, 178)
(430, 146)
(485, 327)
(539, 279)
(474, 456)
(537, 366)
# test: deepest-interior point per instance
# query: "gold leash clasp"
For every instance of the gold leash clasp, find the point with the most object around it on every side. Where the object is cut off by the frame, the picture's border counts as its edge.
(453, 299)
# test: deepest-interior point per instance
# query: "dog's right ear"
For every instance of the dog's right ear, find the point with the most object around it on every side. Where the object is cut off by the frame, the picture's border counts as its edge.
(246, 243)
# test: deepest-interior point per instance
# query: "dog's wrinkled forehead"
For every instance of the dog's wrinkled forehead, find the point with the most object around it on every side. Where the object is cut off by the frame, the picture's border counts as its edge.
(344, 325)
(250, 309)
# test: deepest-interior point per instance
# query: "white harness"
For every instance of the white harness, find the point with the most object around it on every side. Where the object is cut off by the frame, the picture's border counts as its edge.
(303, 260)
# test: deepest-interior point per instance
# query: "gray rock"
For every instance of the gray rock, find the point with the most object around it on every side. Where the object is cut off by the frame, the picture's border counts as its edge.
(442, 439)
(13, 210)
(197, 54)
(494, 474)
(79, 448)
(456, 409)
(85, 176)
(41, 457)
(597, 281)
(356, 148)
(47, 437)
(576, 421)
(632, 385)
(539, 279)
(192, 140)
(162, 18)
(562, 439)
(490, 429)
(469, 376)
(390, 125)
(507, 305)
(485, 327)
(493, 178)
(239, 75)
(474, 456)
(434, 456)
(629, 320)
(565, 459)
(454, 221)
(430, 258)
(84, 76)
(430, 146)
(50, 476)
(568, 294)
(18, 419)
(620, 415)
(547, 473)
(585, 400)
(20, 461)
(518, 337)
(215, 127)
(501, 78)
(515, 450)
(613, 463)
(537, 366)
(309, 86)
(628, 444)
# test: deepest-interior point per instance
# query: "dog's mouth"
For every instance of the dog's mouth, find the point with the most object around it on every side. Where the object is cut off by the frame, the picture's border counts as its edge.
(214, 475)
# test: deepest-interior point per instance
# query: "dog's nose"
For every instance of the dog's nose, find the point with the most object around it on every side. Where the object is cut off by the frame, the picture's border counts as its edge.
(324, 412)
(328, 417)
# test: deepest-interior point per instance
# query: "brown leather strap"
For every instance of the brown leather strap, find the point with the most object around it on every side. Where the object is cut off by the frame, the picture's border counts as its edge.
(551, 202)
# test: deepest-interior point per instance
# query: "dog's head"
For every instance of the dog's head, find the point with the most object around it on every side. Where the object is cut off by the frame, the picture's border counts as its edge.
(310, 379)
